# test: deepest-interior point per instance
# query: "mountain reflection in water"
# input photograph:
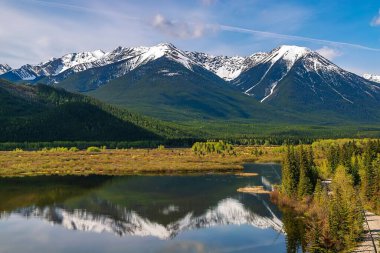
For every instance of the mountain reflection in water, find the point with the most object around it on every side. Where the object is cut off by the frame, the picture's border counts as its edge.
(168, 208)
(228, 211)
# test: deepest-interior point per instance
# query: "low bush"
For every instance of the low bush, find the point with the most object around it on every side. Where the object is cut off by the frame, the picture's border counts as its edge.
(219, 147)
(94, 149)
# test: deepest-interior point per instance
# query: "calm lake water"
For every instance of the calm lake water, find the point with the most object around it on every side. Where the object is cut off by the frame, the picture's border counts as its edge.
(192, 213)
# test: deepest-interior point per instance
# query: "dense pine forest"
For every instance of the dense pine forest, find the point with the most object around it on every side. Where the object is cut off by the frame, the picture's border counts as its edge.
(36, 116)
(42, 113)
(332, 211)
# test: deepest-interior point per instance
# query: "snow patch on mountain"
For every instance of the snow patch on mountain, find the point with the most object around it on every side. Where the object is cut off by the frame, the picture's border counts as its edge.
(170, 209)
(272, 88)
(373, 78)
(226, 67)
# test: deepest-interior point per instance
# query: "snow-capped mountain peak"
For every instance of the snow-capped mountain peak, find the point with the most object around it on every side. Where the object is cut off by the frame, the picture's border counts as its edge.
(373, 78)
(168, 50)
(280, 61)
(71, 60)
(290, 54)
(307, 69)
(85, 57)
(4, 68)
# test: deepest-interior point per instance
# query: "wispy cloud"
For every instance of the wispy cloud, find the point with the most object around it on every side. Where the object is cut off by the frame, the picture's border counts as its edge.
(294, 37)
(43, 28)
(190, 30)
(84, 8)
(376, 20)
(182, 30)
(193, 30)
(329, 53)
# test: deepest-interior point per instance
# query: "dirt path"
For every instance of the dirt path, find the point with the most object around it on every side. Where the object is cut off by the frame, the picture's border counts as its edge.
(372, 228)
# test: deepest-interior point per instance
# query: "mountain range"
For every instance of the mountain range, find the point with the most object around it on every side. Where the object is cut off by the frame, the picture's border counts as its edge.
(287, 84)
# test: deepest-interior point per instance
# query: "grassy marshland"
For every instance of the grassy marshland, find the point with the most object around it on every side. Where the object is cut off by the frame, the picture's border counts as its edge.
(102, 161)
(202, 157)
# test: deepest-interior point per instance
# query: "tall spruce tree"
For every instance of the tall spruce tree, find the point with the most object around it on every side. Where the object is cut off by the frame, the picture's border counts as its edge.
(333, 157)
(305, 186)
(345, 216)
(286, 173)
(290, 173)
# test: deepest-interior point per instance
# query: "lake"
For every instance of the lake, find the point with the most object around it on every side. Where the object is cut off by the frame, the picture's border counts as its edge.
(161, 213)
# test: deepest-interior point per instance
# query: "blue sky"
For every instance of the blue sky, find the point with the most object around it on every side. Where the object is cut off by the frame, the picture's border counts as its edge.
(345, 31)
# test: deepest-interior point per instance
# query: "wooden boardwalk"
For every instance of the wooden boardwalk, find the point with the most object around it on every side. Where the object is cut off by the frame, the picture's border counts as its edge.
(371, 235)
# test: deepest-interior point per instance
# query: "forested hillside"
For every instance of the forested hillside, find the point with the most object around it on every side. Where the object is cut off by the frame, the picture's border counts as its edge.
(43, 113)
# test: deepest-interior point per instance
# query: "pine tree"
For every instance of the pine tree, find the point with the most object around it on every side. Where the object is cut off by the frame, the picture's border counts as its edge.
(312, 172)
(286, 173)
(345, 218)
(305, 186)
(294, 172)
(333, 157)
(318, 191)
(368, 182)
(355, 170)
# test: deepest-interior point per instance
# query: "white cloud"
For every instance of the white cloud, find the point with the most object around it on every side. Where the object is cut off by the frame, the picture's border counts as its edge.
(329, 53)
(36, 35)
(182, 30)
(376, 20)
